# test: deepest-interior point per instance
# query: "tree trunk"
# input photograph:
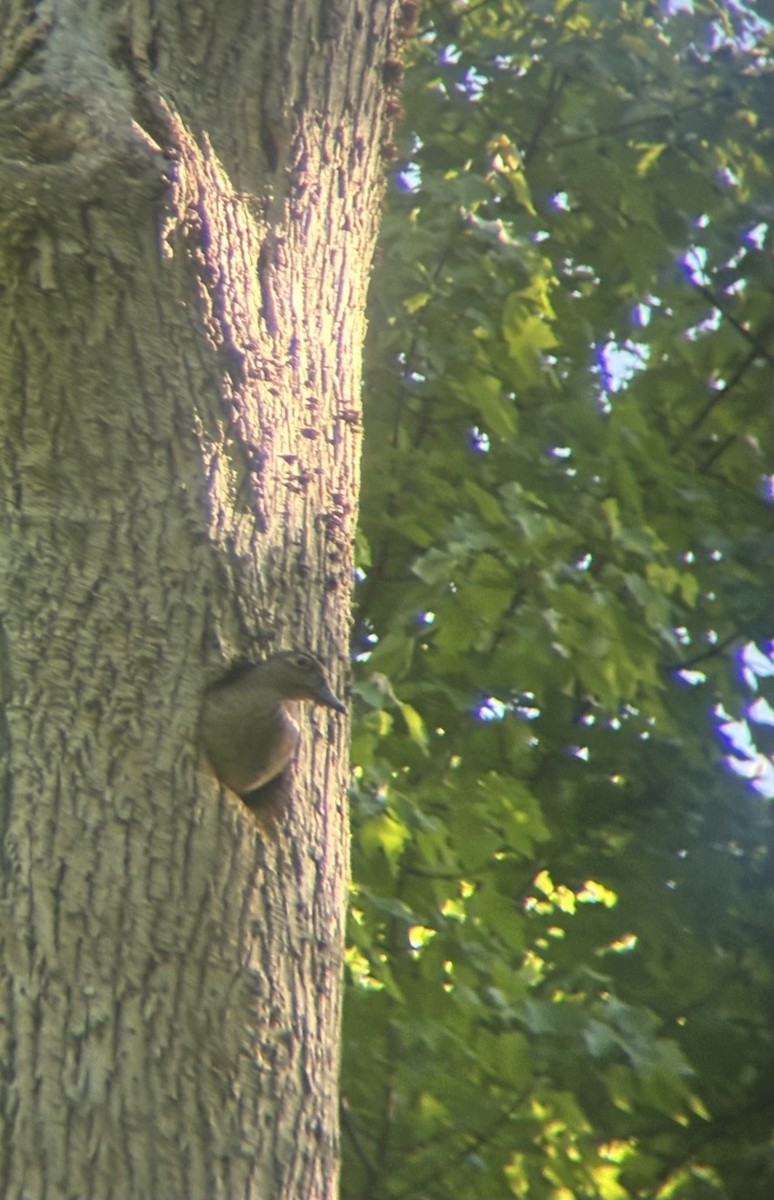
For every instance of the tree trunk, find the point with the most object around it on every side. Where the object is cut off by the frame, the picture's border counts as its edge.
(188, 203)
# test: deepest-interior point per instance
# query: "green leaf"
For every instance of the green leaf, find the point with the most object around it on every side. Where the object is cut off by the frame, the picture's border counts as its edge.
(415, 726)
(527, 337)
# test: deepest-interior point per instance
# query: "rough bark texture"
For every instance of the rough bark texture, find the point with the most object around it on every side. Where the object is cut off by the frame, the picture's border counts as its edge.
(188, 201)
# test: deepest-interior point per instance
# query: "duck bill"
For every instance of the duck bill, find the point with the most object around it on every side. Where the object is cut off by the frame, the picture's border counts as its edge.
(326, 696)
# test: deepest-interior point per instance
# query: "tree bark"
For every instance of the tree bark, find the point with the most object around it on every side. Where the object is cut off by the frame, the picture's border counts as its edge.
(188, 204)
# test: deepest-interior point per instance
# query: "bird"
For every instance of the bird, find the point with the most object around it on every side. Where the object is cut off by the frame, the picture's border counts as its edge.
(245, 728)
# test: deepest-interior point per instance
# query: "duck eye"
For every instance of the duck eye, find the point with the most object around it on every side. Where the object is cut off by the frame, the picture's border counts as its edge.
(302, 661)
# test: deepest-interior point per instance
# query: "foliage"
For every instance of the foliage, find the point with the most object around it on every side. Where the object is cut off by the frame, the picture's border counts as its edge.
(559, 963)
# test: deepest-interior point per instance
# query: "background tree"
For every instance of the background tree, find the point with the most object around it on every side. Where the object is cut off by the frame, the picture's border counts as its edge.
(560, 960)
(188, 203)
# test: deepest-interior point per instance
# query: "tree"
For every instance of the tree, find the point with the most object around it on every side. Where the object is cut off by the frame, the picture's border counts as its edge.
(189, 201)
(560, 963)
